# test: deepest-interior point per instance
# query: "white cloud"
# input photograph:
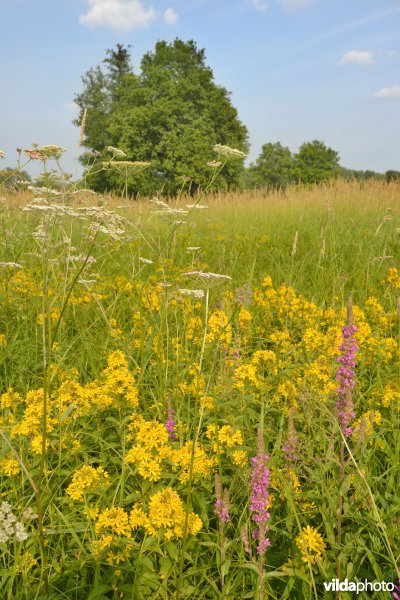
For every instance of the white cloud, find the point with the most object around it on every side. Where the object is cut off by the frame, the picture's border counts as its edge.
(291, 4)
(388, 92)
(358, 57)
(170, 16)
(120, 15)
(259, 4)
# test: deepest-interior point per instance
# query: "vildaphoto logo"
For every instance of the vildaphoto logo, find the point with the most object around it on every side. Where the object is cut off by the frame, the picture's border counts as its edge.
(359, 586)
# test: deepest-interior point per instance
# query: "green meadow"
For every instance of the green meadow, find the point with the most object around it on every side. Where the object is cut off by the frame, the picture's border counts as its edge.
(176, 421)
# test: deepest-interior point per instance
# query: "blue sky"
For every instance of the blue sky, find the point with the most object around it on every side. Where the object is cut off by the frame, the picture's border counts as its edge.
(298, 70)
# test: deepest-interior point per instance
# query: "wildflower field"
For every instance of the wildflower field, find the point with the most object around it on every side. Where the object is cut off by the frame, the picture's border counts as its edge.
(199, 397)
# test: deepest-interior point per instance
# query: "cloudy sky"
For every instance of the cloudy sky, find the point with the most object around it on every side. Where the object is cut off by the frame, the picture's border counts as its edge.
(298, 70)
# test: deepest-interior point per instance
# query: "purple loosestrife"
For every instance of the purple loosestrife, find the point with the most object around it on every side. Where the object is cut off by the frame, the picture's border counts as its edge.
(259, 500)
(346, 372)
(170, 423)
(222, 505)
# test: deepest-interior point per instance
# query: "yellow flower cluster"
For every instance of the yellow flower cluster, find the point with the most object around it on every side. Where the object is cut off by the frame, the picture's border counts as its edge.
(114, 520)
(257, 371)
(87, 480)
(151, 447)
(240, 458)
(245, 319)
(197, 463)
(391, 395)
(9, 466)
(166, 513)
(153, 452)
(223, 438)
(282, 480)
(311, 545)
(219, 328)
(31, 423)
(393, 278)
(114, 388)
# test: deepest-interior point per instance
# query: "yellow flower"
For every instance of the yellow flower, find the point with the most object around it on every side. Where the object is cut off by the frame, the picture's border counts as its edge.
(196, 388)
(393, 277)
(98, 546)
(225, 437)
(115, 519)
(115, 558)
(37, 444)
(182, 458)
(219, 328)
(9, 466)
(166, 512)
(263, 356)
(364, 425)
(86, 480)
(288, 390)
(150, 469)
(311, 544)
(239, 457)
(138, 517)
(92, 512)
(150, 434)
(267, 282)
(26, 562)
(245, 374)
(391, 395)
(244, 318)
(10, 399)
(207, 403)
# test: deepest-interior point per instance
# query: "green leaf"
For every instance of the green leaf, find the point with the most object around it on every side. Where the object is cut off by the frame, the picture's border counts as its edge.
(67, 412)
(225, 567)
(98, 592)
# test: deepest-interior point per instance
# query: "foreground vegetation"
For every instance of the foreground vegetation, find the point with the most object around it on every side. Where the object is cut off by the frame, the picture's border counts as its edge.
(170, 413)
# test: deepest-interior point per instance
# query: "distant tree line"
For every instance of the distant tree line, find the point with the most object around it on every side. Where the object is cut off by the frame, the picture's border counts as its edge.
(277, 168)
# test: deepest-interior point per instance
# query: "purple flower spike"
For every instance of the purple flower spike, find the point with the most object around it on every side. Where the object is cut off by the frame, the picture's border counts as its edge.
(346, 373)
(259, 500)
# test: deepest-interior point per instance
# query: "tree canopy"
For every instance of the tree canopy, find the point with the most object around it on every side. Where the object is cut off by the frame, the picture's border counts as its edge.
(273, 168)
(171, 114)
(276, 167)
(315, 162)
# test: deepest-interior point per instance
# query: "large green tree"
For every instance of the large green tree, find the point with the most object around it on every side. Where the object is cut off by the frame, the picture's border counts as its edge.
(273, 168)
(171, 114)
(315, 163)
